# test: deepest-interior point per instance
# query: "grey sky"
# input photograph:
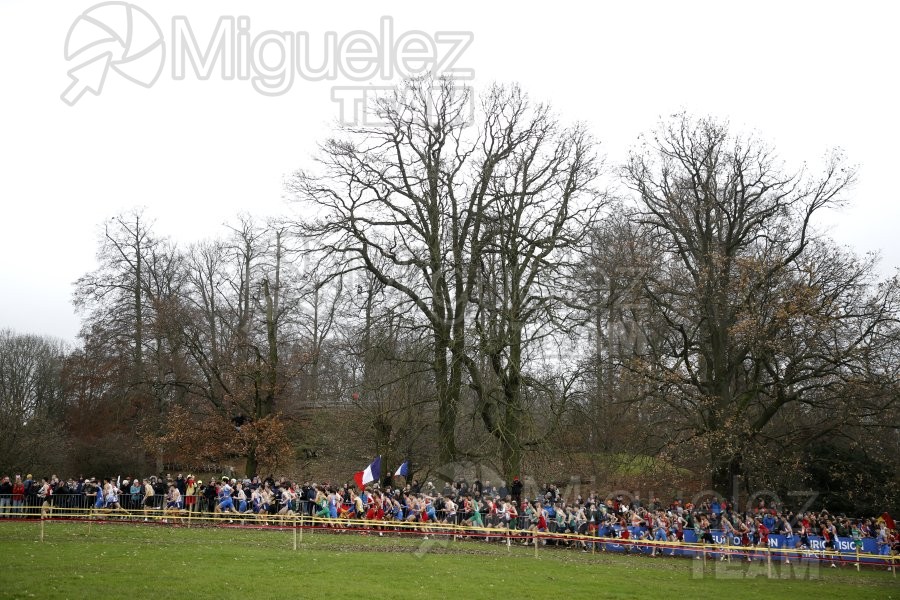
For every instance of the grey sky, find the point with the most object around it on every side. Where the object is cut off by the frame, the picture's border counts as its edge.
(806, 77)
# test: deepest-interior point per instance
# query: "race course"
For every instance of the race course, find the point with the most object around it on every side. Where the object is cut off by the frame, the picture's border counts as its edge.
(79, 559)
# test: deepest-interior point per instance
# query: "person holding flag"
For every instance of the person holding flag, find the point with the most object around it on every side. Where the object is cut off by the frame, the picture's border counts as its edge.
(369, 474)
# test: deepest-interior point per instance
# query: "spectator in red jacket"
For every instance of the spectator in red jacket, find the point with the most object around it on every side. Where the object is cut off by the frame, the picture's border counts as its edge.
(18, 495)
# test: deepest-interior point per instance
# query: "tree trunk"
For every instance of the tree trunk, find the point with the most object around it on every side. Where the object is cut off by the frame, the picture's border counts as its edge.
(251, 465)
(725, 476)
(268, 403)
(511, 438)
(447, 406)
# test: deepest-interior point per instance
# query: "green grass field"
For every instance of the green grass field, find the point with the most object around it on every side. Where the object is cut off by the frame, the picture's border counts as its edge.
(139, 561)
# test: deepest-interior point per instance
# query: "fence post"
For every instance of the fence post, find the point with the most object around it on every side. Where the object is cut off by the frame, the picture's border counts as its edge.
(42, 525)
(769, 561)
(857, 556)
(295, 533)
(535, 544)
(301, 528)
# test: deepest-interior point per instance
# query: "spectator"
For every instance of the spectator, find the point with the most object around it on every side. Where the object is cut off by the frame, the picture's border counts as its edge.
(18, 495)
(503, 491)
(159, 491)
(31, 490)
(209, 495)
(6, 490)
(650, 522)
(135, 492)
(190, 493)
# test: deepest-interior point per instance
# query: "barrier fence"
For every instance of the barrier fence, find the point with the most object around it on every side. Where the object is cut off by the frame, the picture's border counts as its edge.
(201, 512)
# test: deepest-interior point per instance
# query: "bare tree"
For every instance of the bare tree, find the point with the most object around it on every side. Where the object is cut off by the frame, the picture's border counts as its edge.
(128, 302)
(622, 256)
(406, 203)
(536, 231)
(742, 279)
(32, 401)
(115, 295)
(232, 325)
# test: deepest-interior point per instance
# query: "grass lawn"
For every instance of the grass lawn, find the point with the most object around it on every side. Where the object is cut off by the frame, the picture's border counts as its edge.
(143, 561)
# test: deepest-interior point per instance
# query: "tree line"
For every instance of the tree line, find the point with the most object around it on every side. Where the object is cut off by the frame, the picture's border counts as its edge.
(469, 281)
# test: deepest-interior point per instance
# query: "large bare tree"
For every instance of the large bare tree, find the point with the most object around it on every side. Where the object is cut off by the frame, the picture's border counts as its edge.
(759, 313)
(406, 202)
(536, 231)
(233, 327)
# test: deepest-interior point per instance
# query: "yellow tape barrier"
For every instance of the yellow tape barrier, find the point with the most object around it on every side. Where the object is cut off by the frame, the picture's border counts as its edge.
(189, 518)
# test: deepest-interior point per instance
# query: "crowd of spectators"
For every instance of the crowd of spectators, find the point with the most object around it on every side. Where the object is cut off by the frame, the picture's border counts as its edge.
(478, 508)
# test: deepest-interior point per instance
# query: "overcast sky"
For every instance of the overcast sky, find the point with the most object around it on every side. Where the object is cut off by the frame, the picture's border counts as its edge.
(807, 77)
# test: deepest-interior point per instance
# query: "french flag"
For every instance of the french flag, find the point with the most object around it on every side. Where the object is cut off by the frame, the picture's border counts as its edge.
(402, 470)
(370, 474)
